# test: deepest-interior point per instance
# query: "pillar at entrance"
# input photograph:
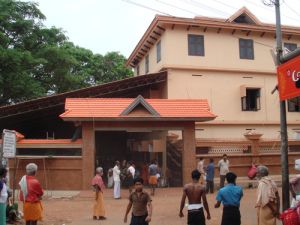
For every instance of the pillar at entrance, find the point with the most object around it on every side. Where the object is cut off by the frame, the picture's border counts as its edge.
(189, 152)
(88, 154)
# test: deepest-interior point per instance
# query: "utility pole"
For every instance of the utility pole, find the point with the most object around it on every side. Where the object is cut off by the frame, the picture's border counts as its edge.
(283, 124)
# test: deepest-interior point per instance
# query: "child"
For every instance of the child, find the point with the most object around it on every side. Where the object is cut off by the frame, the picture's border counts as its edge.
(139, 200)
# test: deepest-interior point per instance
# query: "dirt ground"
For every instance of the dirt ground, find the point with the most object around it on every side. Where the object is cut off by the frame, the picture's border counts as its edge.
(78, 210)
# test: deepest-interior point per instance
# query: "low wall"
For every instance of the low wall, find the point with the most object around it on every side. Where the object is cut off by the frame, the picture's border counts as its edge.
(54, 173)
(241, 154)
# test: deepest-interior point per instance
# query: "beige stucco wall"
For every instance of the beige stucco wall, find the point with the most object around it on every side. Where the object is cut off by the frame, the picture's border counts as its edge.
(237, 131)
(221, 50)
(222, 72)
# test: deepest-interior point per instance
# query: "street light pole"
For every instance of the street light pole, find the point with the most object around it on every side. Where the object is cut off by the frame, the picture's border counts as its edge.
(283, 123)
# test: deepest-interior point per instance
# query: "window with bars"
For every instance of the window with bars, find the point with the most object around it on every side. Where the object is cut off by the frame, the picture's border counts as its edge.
(246, 48)
(195, 45)
(294, 104)
(251, 102)
(290, 46)
(158, 51)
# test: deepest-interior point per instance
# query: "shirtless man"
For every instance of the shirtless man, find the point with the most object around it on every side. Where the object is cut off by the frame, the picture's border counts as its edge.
(194, 192)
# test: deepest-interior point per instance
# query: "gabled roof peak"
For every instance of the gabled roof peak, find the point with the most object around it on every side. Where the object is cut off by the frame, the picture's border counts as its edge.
(244, 15)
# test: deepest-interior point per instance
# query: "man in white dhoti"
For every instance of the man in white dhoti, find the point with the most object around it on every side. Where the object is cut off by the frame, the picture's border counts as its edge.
(117, 181)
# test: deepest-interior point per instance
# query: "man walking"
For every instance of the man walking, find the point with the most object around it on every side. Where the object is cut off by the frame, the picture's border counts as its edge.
(153, 171)
(195, 192)
(210, 175)
(139, 200)
(268, 202)
(117, 181)
(230, 196)
(223, 169)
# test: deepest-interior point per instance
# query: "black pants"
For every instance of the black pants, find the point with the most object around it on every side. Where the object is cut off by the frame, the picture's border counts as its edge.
(209, 186)
(231, 215)
(222, 180)
(196, 217)
(139, 220)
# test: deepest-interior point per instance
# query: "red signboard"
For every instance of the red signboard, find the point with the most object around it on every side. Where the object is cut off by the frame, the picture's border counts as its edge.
(288, 75)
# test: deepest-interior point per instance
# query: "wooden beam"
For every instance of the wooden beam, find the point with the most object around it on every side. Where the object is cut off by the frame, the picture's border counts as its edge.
(290, 37)
(141, 54)
(146, 46)
(154, 38)
(262, 34)
(149, 42)
(205, 29)
(219, 30)
(143, 50)
(233, 31)
(248, 33)
(173, 26)
(161, 28)
(156, 33)
(188, 27)
(138, 57)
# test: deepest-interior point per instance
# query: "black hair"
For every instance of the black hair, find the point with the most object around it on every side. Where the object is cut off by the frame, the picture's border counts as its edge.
(196, 175)
(201, 158)
(3, 172)
(138, 179)
(211, 160)
(231, 177)
(153, 161)
(224, 155)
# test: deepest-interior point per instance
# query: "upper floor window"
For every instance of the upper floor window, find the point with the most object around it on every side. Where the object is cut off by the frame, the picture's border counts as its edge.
(251, 101)
(294, 104)
(158, 51)
(290, 46)
(147, 64)
(246, 48)
(138, 70)
(196, 45)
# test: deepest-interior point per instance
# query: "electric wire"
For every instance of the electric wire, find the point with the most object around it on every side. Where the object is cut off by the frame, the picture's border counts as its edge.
(146, 7)
(290, 8)
(176, 7)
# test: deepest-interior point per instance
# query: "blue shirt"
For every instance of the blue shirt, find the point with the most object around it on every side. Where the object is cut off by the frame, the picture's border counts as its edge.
(210, 172)
(230, 195)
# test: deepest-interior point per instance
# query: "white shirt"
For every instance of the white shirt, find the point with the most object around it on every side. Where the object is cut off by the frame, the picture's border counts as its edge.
(224, 166)
(201, 166)
(131, 169)
(116, 173)
(3, 194)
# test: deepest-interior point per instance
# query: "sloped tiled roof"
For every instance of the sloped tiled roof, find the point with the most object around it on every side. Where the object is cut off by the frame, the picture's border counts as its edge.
(111, 109)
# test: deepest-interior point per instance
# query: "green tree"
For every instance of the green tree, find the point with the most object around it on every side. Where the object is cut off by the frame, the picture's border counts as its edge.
(36, 61)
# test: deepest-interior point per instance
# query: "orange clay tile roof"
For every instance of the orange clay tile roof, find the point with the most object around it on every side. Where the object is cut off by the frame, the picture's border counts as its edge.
(111, 108)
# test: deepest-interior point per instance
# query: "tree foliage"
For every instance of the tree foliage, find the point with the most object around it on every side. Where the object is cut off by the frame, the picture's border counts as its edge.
(37, 61)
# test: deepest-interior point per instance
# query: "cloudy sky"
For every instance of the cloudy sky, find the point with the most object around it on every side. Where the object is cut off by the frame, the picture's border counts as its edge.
(118, 25)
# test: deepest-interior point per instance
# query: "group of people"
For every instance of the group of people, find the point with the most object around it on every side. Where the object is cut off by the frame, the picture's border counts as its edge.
(31, 194)
(267, 204)
(140, 202)
(208, 172)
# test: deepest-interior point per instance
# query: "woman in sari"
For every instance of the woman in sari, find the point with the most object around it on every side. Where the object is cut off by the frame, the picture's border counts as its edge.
(31, 195)
(98, 185)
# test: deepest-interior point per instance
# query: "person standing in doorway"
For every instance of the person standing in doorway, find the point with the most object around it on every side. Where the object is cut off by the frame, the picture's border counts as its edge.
(210, 175)
(230, 196)
(153, 171)
(3, 195)
(195, 193)
(117, 180)
(139, 200)
(200, 168)
(98, 186)
(31, 195)
(223, 169)
(268, 201)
